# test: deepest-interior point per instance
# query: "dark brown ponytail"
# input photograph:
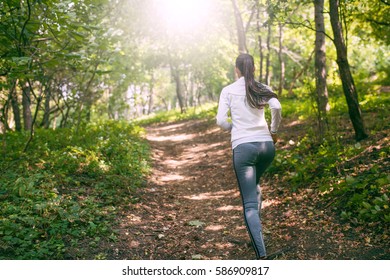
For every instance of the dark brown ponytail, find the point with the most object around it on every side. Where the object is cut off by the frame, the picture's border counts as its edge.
(257, 94)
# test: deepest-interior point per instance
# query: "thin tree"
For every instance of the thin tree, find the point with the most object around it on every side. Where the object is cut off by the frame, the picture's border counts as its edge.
(26, 103)
(345, 72)
(179, 86)
(281, 60)
(15, 105)
(320, 67)
(240, 29)
(259, 39)
(269, 35)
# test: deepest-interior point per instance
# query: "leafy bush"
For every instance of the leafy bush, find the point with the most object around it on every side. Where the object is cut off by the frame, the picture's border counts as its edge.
(362, 197)
(61, 197)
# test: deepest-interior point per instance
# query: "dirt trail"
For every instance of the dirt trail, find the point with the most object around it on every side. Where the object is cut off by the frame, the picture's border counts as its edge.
(191, 208)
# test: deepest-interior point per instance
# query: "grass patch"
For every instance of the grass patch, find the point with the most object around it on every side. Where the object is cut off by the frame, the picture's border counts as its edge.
(206, 111)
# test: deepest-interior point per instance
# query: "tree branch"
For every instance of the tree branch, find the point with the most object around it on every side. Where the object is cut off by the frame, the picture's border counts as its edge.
(250, 18)
(294, 57)
(382, 23)
(39, 99)
(307, 26)
(25, 23)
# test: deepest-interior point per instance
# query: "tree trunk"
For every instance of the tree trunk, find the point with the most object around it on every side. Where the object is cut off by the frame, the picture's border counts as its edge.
(150, 101)
(179, 88)
(258, 26)
(179, 93)
(64, 119)
(320, 67)
(268, 56)
(15, 106)
(240, 29)
(46, 115)
(268, 63)
(39, 99)
(345, 73)
(26, 103)
(151, 94)
(197, 96)
(4, 127)
(186, 94)
(88, 109)
(190, 86)
(281, 60)
(192, 91)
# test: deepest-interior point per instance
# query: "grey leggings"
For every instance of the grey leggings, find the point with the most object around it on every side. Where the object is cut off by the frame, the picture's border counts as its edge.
(250, 161)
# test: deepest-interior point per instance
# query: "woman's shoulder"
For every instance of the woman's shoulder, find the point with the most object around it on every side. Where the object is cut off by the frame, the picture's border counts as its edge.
(235, 87)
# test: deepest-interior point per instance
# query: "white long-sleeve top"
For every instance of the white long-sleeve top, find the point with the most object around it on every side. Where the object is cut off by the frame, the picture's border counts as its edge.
(247, 124)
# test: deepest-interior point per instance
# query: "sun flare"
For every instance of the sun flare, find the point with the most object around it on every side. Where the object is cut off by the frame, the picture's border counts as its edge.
(183, 15)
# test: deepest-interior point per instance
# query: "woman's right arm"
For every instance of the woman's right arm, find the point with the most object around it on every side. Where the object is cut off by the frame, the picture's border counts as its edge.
(223, 109)
(276, 114)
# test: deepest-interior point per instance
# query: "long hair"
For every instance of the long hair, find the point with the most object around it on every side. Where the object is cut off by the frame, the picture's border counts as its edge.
(257, 94)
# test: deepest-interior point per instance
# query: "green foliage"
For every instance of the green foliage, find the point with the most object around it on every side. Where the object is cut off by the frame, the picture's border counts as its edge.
(366, 198)
(64, 195)
(376, 15)
(352, 176)
(328, 167)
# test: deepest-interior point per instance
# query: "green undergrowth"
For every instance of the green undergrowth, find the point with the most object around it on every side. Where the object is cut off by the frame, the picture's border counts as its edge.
(351, 177)
(60, 199)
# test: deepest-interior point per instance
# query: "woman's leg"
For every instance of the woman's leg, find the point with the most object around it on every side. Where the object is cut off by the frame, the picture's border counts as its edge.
(246, 158)
(265, 158)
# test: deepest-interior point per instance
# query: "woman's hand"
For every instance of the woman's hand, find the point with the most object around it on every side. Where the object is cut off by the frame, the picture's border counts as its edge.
(274, 137)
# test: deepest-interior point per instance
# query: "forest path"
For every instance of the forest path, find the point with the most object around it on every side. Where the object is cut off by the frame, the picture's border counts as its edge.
(191, 207)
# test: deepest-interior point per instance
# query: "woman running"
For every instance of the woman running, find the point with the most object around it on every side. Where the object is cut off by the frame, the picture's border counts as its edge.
(252, 140)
